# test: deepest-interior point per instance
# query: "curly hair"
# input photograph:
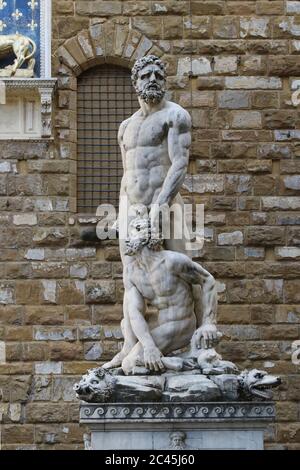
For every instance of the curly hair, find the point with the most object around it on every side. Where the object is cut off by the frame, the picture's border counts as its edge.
(142, 62)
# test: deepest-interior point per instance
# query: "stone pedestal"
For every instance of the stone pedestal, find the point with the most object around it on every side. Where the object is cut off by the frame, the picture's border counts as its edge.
(153, 426)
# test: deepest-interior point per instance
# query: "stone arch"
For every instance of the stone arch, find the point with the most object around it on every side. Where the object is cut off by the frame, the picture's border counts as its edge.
(111, 42)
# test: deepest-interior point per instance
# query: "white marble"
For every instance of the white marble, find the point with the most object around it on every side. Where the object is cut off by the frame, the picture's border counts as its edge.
(158, 270)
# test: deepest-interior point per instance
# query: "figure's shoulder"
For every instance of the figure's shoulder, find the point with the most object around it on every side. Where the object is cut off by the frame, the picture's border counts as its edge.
(179, 116)
(125, 123)
(122, 128)
(174, 260)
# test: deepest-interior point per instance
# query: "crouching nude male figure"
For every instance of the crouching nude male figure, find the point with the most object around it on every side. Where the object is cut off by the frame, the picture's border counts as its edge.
(154, 144)
(164, 280)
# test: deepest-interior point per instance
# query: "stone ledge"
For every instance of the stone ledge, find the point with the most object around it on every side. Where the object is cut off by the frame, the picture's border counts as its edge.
(29, 82)
(209, 412)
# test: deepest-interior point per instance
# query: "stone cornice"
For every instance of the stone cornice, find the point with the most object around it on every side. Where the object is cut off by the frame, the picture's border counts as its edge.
(176, 412)
(30, 82)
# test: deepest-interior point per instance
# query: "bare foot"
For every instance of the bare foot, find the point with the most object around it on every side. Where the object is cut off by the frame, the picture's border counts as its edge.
(115, 362)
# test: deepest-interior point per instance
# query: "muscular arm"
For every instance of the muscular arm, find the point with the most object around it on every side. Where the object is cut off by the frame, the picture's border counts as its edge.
(136, 309)
(179, 141)
(194, 273)
(122, 129)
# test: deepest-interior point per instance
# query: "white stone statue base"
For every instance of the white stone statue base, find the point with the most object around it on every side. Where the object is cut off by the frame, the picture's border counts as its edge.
(174, 426)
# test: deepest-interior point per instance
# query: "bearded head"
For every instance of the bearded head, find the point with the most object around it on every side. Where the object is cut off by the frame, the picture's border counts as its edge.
(149, 79)
(177, 440)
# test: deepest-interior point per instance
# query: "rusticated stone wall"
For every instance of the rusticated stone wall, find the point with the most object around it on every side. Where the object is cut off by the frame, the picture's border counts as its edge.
(60, 297)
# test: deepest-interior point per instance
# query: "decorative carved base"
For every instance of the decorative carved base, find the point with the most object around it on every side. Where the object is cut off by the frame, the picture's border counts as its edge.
(190, 426)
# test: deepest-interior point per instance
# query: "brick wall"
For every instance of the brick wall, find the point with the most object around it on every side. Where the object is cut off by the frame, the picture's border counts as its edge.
(60, 297)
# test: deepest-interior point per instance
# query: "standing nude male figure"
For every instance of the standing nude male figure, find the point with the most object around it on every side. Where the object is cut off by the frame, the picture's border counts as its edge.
(154, 144)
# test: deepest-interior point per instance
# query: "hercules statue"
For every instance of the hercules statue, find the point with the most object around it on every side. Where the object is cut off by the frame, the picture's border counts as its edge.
(154, 144)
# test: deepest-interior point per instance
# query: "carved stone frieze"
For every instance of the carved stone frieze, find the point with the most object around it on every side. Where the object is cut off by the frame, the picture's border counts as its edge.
(193, 412)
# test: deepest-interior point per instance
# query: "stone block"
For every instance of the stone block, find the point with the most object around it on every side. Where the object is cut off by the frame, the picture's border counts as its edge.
(246, 120)
(281, 203)
(292, 182)
(8, 167)
(293, 7)
(47, 368)
(63, 389)
(231, 238)
(286, 135)
(50, 236)
(293, 236)
(252, 82)
(274, 119)
(291, 291)
(254, 27)
(204, 183)
(6, 294)
(274, 151)
(65, 351)
(55, 334)
(18, 434)
(90, 332)
(100, 292)
(25, 219)
(2, 352)
(41, 388)
(67, 290)
(98, 8)
(253, 65)
(63, 7)
(197, 27)
(284, 66)
(207, 7)
(78, 271)
(267, 236)
(264, 350)
(259, 166)
(172, 27)
(194, 67)
(215, 83)
(265, 184)
(50, 270)
(35, 351)
(46, 413)
(290, 166)
(93, 351)
(225, 64)
(150, 27)
(286, 27)
(225, 27)
(132, 8)
(262, 314)
(255, 291)
(231, 99)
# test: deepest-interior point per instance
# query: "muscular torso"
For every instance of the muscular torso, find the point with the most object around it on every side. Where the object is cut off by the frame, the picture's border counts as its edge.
(170, 294)
(145, 144)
